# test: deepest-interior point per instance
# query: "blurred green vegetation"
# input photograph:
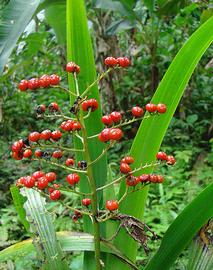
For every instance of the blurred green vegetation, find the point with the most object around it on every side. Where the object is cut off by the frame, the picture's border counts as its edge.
(189, 136)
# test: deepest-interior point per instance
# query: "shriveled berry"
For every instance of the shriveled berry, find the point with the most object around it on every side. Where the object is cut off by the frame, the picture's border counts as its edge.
(54, 79)
(57, 154)
(170, 160)
(137, 111)
(123, 61)
(70, 162)
(86, 202)
(161, 156)
(45, 134)
(56, 135)
(72, 67)
(27, 153)
(38, 153)
(150, 107)
(107, 120)
(73, 178)
(111, 61)
(53, 107)
(23, 85)
(51, 176)
(161, 108)
(116, 116)
(132, 181)
(112, 205)
(128, 160)
(125, 168)
(115, 134)
(38, 174)
(144, 178)
(42, 183)
(34, 136)
(55, 195)
(29, 181)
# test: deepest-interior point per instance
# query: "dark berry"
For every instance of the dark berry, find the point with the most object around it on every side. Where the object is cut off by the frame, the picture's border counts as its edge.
(82, 164)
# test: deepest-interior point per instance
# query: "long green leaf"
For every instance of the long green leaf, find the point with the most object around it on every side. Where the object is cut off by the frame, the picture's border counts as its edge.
(183, 229)
(151, 132)
(14, 19)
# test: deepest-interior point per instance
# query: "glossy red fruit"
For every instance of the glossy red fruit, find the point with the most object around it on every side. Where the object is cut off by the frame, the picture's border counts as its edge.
(27, 153)
(86, 202)
(132, 181)
(42, 182)
(161, 156)
(72, 67)
(17, 146)
(89, 104)
(144, 178)
(115, 134)
(116, 116)
(137, 111)
(104, 136)
(76, 126)
(45, 81)
(123, 61)
(151, 107)
(161, 108)
(34, 136)
(38, 153)
(57, 154)
(111, 61)
(153, 178)
(56, 135)
(55, 195)
(125, 168)
(33, 84)
(17, 155)
(23, 85)
(40, 109)
(171, 160)
(45, 134)
(29, 181)
(70, 162)
(112, 205)
(19, 182)
(38, 174)
(73, 178)
(51, 176)
(53, 107)
(107, 120)
(160, 179)
(54, 79)
(128, 160)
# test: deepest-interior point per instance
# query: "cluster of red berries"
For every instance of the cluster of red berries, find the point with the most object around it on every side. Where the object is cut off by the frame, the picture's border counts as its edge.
(52, 107)
(170, 160)
(114, 117)
(159, 108)
(70, 125)
(108, 134)
(41, 181)
(120, 61)
(91, 104)
(42, 82)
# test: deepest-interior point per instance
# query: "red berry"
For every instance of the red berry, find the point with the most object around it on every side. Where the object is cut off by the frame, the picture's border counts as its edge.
(56, 135)
(115, 134)
(45, 81)
(29, 181)
(86, 202)
(125, 168)
(128, 160)
(55, 195)
(53, 107)
(33, 84)
(161, 156)
(54, 79)
(171, 160)
(51, 176)
(107, 120)
(132, 181)
(89, 104)
(57, 154)
(34, 136)
(161, 108)
(42, 182)
(70, 162)
(153, 178)
(40, 109)
(116, 116)
(112, 205)
(17, 146)
(104, 136)
(45, 134)
(27, 153)
(151, 107)
(72, 67)
(144, 178)
(38, 174)
(73, 178)
(76, 126)
(23, 85)
(123, 61)
(111, 61)
(17, 155)
(137, 111)
(160, 178)
(19, 182)
(38, 153)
